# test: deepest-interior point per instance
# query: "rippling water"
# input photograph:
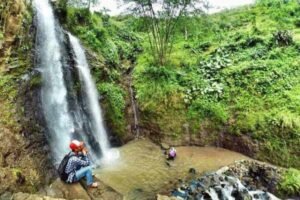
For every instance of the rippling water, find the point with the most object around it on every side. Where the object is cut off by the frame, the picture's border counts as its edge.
(141, 171)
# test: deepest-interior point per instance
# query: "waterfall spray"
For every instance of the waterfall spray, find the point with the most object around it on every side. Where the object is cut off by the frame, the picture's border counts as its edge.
(53, 93)
(67, 115)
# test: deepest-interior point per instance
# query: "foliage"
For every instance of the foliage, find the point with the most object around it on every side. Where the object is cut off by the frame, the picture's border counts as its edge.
(104, 36)
(290, 183)
(161, 23)
(235, 72)
(115, 100)
(163, 85)
(283, 38)
(203, 108)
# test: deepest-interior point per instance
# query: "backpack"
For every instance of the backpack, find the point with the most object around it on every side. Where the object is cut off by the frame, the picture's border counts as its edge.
(62, 167)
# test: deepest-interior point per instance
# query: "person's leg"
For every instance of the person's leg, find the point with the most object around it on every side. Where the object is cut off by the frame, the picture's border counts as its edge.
(85, 172)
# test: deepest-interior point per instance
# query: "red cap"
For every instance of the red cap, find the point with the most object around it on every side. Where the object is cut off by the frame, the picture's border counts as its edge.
(75, 144)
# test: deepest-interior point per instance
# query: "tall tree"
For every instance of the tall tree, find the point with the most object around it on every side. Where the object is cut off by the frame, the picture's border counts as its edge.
(161, 18)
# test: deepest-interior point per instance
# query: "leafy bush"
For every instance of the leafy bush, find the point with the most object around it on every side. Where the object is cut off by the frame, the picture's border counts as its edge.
(283, 38)
(297, 23)
(158, 73)
(271, 3)
(202, 108)
(76, 16)
(115, 101)
(219, 60)
(290, 183)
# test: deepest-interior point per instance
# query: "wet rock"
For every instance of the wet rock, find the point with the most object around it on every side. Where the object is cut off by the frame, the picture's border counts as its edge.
(6, 196)
(25, 196)
(103, 192)
(59, 189)
(165, 146)
(192, 171)
(223, 186)
(163, 197)
(1, 160)
(242, 195)
(180, 193)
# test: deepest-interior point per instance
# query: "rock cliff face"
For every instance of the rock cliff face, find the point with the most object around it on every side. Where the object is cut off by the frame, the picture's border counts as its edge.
(11, 20)
(24, 164)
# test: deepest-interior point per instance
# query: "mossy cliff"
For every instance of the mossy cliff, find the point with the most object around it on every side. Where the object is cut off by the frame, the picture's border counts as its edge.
(23, 148)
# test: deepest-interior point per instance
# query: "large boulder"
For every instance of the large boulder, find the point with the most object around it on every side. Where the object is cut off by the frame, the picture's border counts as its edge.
(162, 197)
(103, 192)
(26, 196)
(59, 189)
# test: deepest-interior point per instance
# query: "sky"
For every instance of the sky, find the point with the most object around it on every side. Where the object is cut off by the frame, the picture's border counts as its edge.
(115, 7)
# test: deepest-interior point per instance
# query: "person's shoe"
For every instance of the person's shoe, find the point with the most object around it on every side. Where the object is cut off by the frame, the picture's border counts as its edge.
(94, 185)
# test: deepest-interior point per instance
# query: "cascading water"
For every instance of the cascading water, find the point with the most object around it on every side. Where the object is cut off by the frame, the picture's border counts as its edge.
(54, 93)
(68, 115)
(91, 95)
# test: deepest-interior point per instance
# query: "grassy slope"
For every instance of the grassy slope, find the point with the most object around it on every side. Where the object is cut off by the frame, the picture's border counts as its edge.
(249, 86)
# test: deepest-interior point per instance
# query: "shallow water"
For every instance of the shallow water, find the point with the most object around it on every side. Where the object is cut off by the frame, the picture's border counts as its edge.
(141, 171)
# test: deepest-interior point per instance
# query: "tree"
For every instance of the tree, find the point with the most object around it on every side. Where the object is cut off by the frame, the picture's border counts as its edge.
(161, 18)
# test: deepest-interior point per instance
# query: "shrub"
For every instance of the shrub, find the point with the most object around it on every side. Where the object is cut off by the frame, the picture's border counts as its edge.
(114, 98)
(297, 23)
(290, 183)
(283, 38)
(202, 108)
(158, 73)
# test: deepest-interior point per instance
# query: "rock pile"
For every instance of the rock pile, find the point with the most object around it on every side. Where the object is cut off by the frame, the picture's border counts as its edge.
(256, 174)
(219, 186)
(243, 180)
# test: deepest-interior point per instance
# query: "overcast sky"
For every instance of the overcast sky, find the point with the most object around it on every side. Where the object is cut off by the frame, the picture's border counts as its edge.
(115, 7)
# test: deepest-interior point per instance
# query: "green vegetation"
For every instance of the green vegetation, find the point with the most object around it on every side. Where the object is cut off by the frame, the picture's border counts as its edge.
(290, 183)
(235, 72)
(239, 70)
(116, 48)
(115, 103)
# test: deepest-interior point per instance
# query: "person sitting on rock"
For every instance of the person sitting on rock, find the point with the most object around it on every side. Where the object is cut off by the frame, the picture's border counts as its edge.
(78, 165)
(171, 154)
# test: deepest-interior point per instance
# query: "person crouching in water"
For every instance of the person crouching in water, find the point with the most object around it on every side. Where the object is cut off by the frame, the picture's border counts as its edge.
(78, 165)
(171, 153)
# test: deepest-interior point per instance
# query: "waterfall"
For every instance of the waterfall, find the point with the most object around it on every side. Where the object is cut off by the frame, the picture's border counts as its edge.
(91, 95)
(53, 93)
(68, 114)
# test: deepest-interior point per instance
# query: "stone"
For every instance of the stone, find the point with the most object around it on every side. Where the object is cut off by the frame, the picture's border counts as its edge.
(59, 189)
(6, 196)
(103, 192)
(192, 171)
(222, 170)
(163, 197)
(165, 146)
(26, 196)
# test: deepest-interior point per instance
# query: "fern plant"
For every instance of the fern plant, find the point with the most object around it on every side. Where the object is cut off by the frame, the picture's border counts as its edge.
(290, 182)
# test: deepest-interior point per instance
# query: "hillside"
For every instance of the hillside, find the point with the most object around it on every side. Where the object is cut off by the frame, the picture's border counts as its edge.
(233, 82)
(238, 75)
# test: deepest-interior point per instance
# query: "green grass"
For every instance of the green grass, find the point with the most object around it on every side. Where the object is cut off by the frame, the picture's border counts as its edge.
(114, 98)
(235, 72)
(290, 183)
